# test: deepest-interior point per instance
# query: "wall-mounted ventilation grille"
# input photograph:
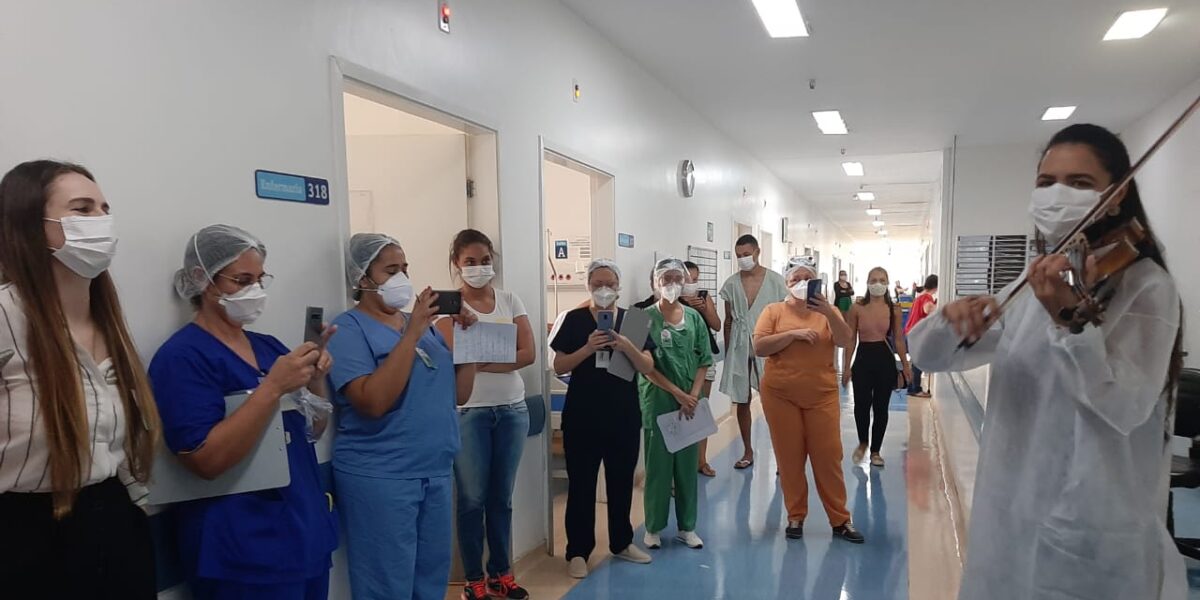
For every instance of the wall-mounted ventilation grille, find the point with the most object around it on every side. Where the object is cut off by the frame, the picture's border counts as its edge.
(986, 263)
(706, 259)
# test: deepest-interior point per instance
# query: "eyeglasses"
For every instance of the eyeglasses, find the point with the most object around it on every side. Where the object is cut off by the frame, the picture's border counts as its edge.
(245, 281)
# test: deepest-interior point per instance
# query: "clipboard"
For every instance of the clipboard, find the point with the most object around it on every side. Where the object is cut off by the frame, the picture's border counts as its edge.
(635, 326)
(265, 468)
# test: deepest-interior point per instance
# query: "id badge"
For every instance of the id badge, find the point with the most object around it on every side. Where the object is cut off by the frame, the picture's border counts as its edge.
(426, 359)
(602, 359)
(667, 341)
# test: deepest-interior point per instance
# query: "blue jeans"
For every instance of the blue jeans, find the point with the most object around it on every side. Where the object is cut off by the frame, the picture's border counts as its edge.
(485, 470)
(914, 387)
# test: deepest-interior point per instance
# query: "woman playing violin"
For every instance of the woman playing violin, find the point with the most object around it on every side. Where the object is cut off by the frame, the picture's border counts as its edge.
(1070, 496)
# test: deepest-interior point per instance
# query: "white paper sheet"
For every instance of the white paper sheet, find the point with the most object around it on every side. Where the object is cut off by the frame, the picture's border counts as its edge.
(679, 433)
(485, 343)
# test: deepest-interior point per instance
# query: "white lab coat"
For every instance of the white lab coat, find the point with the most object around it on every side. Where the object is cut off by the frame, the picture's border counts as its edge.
(1070, 495)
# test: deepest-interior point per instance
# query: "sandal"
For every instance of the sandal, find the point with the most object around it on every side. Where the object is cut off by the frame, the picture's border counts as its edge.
(707, 470)
(743, 464)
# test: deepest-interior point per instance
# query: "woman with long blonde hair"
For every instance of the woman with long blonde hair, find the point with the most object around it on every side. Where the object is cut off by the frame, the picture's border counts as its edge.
(79, 428)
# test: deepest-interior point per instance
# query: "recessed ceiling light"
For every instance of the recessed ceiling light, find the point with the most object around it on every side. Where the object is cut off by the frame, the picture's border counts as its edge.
(864, 196)
(853, 169)
(882, 232)
(830, 122)
(781, 18)
(874, 212)
(1135, 24)
(877, 223)
(1058, 113)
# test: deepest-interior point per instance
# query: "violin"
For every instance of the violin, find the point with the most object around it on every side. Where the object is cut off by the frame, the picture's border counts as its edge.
(1114, 251)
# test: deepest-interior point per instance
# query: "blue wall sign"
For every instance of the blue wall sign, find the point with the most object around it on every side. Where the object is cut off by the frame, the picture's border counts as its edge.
(625, 240)
(560, 249)
(293, 188)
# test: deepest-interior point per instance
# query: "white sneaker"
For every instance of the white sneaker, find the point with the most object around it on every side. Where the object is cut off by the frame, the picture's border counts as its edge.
(690, 539)
(877, 460)
(577, 567)
(858, 455)
(634, 554)
(652, 541)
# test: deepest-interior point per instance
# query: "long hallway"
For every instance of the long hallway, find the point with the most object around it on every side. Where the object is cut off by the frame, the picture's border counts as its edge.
(746, 555)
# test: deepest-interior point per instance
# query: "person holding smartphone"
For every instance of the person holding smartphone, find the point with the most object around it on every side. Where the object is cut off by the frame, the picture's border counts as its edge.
(800, 397)
(396, 390)
(681, 357)
(700, 300)
(601, 420)
(271, 544)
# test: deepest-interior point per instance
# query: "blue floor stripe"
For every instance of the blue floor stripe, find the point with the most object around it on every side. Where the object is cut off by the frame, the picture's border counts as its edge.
(742, 519)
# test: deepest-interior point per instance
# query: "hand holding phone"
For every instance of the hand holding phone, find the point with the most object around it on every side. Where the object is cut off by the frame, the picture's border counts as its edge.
(314, 324)
(449, 303)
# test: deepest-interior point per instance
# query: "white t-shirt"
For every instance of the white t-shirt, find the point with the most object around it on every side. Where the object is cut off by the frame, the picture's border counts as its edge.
(499, 389)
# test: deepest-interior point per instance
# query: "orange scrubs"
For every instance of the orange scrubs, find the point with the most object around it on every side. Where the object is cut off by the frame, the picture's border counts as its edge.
(800, 400)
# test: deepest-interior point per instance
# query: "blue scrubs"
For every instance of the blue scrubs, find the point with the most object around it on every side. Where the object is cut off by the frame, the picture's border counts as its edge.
(269, 543)
(402, 461)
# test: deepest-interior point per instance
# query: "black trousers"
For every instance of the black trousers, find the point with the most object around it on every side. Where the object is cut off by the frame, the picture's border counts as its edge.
(587, 445)
(874, 376)
(102, 550)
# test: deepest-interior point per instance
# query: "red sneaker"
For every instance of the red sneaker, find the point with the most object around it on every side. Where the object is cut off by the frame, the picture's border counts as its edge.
(505, 586)
(475, 590)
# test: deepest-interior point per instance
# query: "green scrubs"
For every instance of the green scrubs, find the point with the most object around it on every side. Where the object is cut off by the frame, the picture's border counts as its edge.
(682, 351)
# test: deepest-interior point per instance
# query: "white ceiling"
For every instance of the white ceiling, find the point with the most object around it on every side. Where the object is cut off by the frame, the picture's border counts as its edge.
(367, 117)
(907, 77)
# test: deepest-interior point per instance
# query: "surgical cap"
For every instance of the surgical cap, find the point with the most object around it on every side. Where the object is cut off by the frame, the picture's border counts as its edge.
(667, 265)
(208, 251)
(796, 263)
(603, 263)
(361, 252)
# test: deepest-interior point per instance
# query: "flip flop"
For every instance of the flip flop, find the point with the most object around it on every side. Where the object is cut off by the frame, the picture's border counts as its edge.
(707, 470)
(743, 464)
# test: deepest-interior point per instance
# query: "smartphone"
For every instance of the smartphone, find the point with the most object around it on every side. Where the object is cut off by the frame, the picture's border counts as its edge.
(449, 302)
(314, 323)
(703, 294)
(814, 288)
(604, 320)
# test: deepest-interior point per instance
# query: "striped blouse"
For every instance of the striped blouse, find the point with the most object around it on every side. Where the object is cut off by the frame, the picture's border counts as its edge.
(24, 455)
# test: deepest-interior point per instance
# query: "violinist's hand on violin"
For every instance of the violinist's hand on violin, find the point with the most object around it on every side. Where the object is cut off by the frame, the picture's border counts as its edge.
(1052, 290)
(971, 317)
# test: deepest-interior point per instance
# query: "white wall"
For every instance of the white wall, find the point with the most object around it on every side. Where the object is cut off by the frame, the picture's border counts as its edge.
(568, 202)
(173, 105)
(1170, 187)
(417, 186)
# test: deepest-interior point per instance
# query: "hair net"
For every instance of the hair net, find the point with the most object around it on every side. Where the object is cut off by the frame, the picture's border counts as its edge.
(667, 265)
(796, 263)
(361, 252)
(603, 263)
(208, 251)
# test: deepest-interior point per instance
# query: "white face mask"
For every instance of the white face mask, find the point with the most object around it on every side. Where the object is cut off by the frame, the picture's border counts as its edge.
(91, 243)
(1058, 208)
(247, 305)
(691, 290)
(478, 276)
(671, 292)
(800, 290)
(746, 263)
(603, 297)
(877, 289)
(397, 291)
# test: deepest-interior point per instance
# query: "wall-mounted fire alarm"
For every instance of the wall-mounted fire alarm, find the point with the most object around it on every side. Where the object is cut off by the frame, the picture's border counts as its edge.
(444, 16)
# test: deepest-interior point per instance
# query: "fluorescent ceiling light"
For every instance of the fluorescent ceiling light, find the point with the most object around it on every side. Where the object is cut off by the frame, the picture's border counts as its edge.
(864, 196)
(1058, 113)
(1135, 24)
(878, 223)
(781, 18)
(874, 212)
(882, 232)
(830, 122)
(853, 169)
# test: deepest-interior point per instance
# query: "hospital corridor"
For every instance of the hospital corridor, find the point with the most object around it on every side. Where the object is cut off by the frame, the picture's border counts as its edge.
(599, 300)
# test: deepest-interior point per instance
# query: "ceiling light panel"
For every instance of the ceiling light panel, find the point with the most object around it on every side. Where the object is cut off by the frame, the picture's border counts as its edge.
(781, 18)
(1058, 113)
(1135, 24)
(864, 196)
(878, 223)
(853, 169)
(874, 212)
(830, 122)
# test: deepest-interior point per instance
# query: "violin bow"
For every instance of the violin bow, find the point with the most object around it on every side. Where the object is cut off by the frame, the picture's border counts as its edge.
(1107, 203)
